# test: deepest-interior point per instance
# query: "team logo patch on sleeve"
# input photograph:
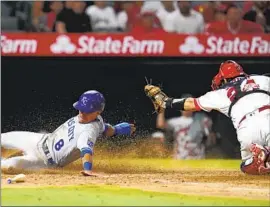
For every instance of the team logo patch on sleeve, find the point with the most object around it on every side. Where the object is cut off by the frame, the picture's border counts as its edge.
(90, 144)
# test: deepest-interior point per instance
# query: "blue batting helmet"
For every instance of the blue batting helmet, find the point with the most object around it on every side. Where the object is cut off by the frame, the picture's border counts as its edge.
(90, 101)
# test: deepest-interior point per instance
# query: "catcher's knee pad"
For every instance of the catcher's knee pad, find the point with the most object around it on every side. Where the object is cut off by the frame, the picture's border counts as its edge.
(259, 162)
(260, 152)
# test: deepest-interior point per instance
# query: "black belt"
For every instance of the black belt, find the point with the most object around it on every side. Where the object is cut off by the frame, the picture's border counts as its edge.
(47, 153)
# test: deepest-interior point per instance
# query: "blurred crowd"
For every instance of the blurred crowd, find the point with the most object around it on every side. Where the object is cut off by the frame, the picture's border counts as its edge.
(185, 17)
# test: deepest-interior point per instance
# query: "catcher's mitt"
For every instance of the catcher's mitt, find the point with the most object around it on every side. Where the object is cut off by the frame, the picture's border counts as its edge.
(157, 97)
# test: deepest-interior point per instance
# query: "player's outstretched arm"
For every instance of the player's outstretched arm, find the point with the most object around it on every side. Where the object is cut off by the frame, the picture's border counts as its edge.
(161, 101)
(123, 128)
(87, 160)
(85, 144)
(183, 104)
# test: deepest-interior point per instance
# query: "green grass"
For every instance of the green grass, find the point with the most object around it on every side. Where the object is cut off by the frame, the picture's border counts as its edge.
(111, 195)
(108, 195)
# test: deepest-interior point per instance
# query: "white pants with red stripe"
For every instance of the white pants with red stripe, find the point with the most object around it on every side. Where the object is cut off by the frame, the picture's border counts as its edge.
(26, 142)
(254, 129)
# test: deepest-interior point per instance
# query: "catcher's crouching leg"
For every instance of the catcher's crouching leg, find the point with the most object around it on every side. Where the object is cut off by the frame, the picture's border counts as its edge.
(259, 163)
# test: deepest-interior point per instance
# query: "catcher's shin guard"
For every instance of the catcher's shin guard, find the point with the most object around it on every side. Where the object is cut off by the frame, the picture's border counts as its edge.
(260, 162)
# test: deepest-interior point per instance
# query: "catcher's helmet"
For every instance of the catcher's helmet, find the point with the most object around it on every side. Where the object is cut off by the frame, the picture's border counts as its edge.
(90, 101)
(227, 70)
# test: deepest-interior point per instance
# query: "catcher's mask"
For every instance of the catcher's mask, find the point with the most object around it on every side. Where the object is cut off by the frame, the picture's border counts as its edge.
(227, 71)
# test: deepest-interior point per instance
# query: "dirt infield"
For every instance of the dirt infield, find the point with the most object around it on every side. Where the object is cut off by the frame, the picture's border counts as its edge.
(198, 182)
(156, 175)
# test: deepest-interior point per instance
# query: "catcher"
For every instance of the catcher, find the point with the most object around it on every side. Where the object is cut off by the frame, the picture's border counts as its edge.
(245, 99)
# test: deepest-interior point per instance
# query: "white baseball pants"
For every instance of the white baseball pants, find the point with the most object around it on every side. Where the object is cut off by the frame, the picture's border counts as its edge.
(255, 129)
(26, 142)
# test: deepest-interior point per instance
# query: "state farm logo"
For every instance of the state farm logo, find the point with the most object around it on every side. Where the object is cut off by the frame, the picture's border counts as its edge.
(191, 45)
(237, 45)
(63, 44)
(214, 45)
(20, 46)
(85, 44)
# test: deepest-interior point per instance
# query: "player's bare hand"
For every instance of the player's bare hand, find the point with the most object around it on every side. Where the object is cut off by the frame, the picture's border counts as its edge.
(132, 128)
(88, 173)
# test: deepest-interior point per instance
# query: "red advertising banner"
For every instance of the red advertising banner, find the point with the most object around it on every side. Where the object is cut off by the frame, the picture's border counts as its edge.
(91, 44)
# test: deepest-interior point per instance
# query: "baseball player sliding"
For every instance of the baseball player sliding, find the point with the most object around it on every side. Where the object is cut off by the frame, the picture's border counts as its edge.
(242, 97)
(73, 139)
